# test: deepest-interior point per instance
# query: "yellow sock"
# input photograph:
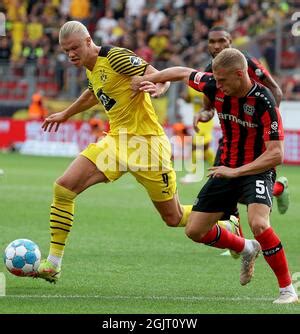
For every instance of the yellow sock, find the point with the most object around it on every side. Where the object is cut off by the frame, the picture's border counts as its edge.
(187, 209)
(61, 218)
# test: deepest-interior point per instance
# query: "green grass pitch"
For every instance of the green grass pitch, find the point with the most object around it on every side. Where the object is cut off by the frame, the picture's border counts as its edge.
(121, 258)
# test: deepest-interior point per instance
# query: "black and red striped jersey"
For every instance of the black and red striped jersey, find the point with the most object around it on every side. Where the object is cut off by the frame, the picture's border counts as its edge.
(256, 70)
(246, 123)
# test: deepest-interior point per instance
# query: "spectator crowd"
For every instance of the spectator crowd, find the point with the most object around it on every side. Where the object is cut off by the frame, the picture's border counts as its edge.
(163, 32)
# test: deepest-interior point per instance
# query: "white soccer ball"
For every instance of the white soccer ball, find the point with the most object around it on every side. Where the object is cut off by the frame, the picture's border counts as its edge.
(22, 257)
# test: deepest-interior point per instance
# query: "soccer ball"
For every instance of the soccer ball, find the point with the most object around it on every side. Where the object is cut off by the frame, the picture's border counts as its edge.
(22, 257)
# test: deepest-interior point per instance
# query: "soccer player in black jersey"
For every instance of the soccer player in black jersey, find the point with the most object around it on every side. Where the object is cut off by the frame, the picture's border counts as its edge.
(253, 146)
(219, 39)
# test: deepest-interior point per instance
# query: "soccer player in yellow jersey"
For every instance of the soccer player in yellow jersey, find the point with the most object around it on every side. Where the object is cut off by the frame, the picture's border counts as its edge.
(202, 130)
(136, 142)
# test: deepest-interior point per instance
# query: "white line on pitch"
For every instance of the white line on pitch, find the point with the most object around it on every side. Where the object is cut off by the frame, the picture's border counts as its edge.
(117, 297)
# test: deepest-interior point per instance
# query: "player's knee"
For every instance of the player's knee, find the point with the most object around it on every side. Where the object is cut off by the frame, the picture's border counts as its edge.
(171, 219)
(258, 226)
(63, 182)
(193, 233)
(60, 181)
(60, 184)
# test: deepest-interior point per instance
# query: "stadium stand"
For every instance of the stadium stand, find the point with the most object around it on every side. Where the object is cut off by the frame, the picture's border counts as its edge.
(164, 32)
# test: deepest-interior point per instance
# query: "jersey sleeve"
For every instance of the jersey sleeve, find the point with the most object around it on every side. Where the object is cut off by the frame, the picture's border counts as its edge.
(272, 123)
(204, 82)
(256, 69)
(90, 86)
(124, 61)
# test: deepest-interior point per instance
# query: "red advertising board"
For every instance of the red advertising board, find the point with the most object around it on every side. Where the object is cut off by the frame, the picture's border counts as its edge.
(16, 131)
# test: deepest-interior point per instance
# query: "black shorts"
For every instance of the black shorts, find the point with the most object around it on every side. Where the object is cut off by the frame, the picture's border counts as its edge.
(223, 194)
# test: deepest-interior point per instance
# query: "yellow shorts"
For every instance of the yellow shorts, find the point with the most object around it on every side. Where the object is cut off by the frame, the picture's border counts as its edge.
(147, 158)
(205, 130)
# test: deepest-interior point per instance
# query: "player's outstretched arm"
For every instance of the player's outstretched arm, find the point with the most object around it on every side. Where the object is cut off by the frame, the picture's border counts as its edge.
(154, 89)
(176, 73)
(85, 101)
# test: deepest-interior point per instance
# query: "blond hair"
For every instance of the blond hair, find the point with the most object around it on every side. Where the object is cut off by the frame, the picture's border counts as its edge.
(230, 58)
(73, 27)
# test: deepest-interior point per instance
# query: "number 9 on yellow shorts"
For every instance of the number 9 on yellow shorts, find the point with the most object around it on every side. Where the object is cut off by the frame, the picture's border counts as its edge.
(147, 158)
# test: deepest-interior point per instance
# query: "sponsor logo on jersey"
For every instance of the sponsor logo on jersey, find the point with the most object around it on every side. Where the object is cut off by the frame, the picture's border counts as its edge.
(107, 102)
(274, 126)
(135, 61)
(220, 99)
(248, 109)
(198, 77)
(233, 118)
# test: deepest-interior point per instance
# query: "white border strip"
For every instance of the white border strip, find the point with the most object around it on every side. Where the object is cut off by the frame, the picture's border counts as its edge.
(118, 297)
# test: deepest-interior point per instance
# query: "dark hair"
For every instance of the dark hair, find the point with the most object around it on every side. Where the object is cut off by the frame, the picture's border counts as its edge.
(219, 28)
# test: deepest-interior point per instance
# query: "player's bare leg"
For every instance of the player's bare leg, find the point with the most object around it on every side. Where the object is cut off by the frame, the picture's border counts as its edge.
(176, 215)
(172, 212)
(203, 229)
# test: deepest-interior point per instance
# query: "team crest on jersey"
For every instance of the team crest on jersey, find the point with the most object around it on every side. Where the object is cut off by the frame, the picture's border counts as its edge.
(103, 75)
(135, 61)
(198, 77)
(249, 110)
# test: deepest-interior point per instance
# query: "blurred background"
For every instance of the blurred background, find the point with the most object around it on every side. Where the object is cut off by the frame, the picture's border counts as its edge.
(36, 78)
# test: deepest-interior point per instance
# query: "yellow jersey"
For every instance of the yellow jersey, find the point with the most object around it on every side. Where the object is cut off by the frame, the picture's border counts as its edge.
(205, 128)
(196, 99)
(110, 81)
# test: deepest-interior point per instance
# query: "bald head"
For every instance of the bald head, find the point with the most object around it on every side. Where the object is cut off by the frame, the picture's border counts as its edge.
(73, 27)
(231, 59)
